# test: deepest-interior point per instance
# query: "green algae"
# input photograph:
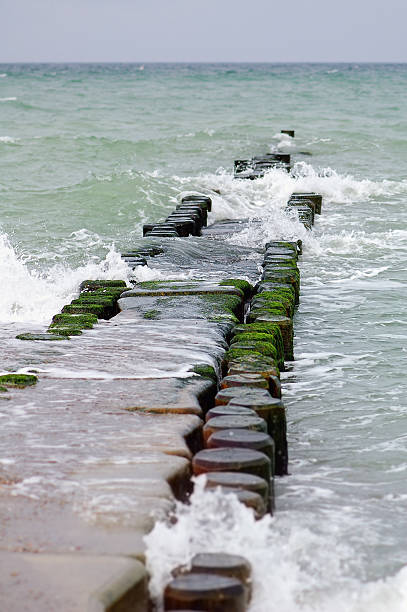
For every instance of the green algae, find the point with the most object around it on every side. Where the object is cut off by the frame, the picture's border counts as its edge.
(279, 296)
(236, 353)
(75, 309)
(151, 314)
(222, 302)
(239, 283)
(251, 337)
(98, 284)
(255, 313)
(85, 321)
(60, 330)
(286, 293)
(255, 364)
(18, 380)
(265, 348)
(48, 337)
(205, 370)
(3, 389)
(93, 298)
(161, 284)
(271, 329)
(272, 286)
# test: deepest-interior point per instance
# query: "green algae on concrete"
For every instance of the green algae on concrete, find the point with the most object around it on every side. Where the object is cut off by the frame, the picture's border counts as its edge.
(241, 284)
(251, 337)
(181, 287)
(271, 329)
(151, 314)
(288, 275)
(276, 307)
(91, 285)
(265, 348)
(85, 321)
(279, 294)
(94, 298)
(48, 336)
(248, 355)
(286, 327)
(75, 309)
(282, 305)
(177, 283)
(212, 307)
(296, 246)
(221, 305)
(18, 380)
(60, 330)
(264, 286)
(205, 370)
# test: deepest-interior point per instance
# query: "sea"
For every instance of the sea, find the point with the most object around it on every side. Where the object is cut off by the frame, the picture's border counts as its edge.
(90, 152)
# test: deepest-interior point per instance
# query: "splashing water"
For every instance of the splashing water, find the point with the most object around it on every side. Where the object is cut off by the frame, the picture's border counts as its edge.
(294, 568)
(31, 296)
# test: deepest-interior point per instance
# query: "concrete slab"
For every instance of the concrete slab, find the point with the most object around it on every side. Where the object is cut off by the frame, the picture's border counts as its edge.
(71, 583)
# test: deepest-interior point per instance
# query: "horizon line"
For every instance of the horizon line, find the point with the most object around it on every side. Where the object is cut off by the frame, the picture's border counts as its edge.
(144, 62)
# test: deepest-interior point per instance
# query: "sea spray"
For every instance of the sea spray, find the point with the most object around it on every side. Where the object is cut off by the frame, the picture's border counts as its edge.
(295, 569)
(29, 295)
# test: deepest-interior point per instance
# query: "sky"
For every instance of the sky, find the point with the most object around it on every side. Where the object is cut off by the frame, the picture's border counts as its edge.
(203, 31)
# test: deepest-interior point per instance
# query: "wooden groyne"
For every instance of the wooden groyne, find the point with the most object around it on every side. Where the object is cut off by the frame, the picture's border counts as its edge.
(146, 385)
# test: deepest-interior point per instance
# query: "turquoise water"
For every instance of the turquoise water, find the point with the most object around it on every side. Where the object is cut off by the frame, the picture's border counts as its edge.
(90, 152)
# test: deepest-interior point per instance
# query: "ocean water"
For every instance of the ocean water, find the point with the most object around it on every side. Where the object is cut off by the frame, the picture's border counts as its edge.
(90, 152)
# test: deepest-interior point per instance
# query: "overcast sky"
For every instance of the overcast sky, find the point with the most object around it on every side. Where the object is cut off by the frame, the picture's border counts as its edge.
(203, 30)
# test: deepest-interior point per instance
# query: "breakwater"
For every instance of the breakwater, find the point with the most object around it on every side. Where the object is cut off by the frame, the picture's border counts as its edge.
(335, 540)
(215, 343)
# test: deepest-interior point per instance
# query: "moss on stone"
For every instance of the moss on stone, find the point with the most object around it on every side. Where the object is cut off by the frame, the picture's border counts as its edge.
(18, 380)
(94, 298)
(270, 329)
(255, 313)
(254, 363)
(278, 296)
(223, 302)
(273, 285)
(85, 321)
(48, 337)
(239, 283)
(60, 330)
(281, 263)
(104, 292)
(159, 284)
(91, 285)
(205, 370)
(151, 314)
(265, 348)
(281, 244)
(75, 309)
(274, 307)
(286, 293)
(252, 337)
(3, 389)
(237, 353)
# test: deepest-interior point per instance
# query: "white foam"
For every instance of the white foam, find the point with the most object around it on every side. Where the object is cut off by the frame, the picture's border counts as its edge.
(29, 295)
(294, 569)
(8, 139)
(144, 273)
(11, 99)
(241, 198)
(284, 142)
